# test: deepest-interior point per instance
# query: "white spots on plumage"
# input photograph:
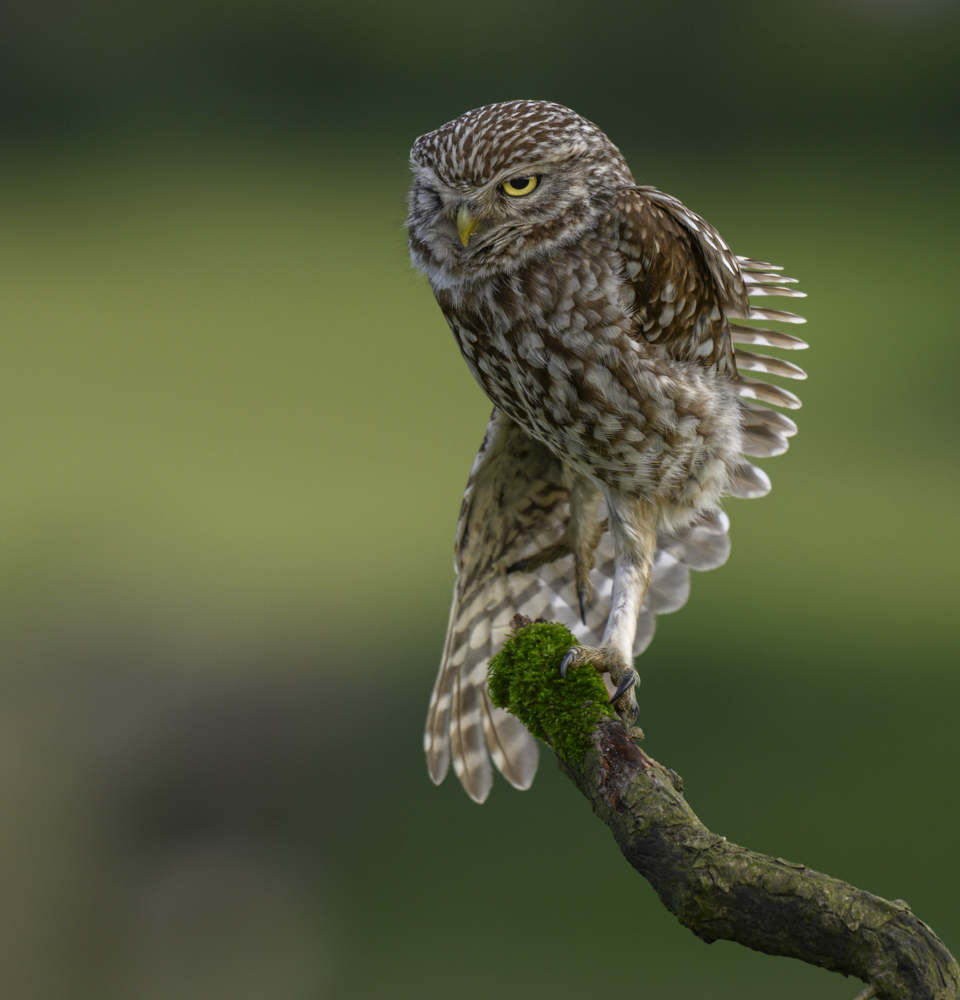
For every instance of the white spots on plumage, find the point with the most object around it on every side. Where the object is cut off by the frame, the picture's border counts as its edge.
(687, 426)
(599, 377)
(705, 349)
(621, 400)
(653, 445)
(530, 348)
(564, 308)
(607, 354)
(558, 369)
(608, 426)
(563, 395)
(587, 281)
(577, 340)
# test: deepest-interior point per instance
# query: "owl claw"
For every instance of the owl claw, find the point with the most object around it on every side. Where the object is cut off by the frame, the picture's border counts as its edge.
(622, 674)
(625, 685)
(584, 597)
(625, 701)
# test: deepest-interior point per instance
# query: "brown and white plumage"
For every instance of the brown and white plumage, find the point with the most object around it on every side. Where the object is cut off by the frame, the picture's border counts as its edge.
(596, 314)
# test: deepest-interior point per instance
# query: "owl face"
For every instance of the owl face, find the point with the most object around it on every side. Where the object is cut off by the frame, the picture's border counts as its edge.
(506, 183)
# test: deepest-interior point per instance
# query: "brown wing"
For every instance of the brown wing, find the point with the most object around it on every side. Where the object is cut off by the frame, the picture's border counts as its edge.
(686, 285)
(682, 276)
(514, 499)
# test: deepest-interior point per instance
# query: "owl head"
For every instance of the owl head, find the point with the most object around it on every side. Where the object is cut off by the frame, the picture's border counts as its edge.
(505, 183)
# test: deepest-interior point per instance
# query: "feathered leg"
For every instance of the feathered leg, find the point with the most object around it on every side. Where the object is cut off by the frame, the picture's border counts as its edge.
(633, 525)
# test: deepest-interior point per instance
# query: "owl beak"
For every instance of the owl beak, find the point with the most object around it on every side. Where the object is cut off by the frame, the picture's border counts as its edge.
(466, 224)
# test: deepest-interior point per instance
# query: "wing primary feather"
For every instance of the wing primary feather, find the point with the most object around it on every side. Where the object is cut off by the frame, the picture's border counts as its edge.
(755, 415)
(755, 388)
(766, 338)
(755, 278)
(469, 751)
(436, 736)
(747, 361)
(749, 264)
(764, 442)
(513, 749)
(775, 315)
(748, 481)
(756, 289)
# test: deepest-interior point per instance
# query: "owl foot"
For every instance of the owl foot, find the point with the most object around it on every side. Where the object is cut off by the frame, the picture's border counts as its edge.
(622, 673)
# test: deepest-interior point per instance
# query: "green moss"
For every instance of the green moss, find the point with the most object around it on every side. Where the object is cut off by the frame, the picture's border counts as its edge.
(525, 680)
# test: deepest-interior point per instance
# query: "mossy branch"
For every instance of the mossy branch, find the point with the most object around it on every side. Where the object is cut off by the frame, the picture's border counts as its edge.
(715, 888)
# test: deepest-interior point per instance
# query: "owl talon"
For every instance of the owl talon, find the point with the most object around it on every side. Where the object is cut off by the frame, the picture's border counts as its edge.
(570, 657)
(584, 597)
(624, 700)
(606, 661)
(625, 685)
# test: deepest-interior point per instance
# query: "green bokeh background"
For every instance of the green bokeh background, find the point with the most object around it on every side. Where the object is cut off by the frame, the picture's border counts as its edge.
(234, 431)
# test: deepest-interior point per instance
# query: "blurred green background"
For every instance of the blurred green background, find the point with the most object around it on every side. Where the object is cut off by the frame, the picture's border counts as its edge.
(234, 433)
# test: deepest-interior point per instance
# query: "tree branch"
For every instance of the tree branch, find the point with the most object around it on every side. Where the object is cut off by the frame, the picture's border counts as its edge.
(715, 888)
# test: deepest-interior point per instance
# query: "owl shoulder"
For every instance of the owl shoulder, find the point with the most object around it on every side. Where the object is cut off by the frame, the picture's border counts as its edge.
(680, 276)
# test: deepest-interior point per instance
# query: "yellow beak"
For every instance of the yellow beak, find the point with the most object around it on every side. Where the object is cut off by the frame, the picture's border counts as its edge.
(466, 223)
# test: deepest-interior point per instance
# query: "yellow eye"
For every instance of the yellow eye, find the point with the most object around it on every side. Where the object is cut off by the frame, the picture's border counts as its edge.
(518, 186)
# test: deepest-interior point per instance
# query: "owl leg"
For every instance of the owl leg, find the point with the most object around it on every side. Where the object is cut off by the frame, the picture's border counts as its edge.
(634, 528)
(580, 536)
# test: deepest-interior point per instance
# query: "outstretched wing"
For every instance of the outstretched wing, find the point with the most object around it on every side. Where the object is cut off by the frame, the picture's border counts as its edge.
(686, 285)
(516, 504)
(765, 431)
(515, 493)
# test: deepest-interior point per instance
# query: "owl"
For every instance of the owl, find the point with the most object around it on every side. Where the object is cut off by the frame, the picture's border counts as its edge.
(596, 314)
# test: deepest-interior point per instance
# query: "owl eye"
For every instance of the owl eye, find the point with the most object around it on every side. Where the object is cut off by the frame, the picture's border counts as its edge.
(518, 186)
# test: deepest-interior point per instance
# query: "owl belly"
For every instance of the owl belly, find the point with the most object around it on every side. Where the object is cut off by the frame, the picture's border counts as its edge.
(661, 430)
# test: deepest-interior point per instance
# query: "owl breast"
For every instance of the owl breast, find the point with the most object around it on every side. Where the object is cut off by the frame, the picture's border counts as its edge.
(551, 345)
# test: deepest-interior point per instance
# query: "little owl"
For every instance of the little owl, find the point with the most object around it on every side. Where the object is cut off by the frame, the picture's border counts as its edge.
(595, 313)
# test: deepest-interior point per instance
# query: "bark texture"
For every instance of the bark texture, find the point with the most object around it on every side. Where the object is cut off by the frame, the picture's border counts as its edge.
(720, 890)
